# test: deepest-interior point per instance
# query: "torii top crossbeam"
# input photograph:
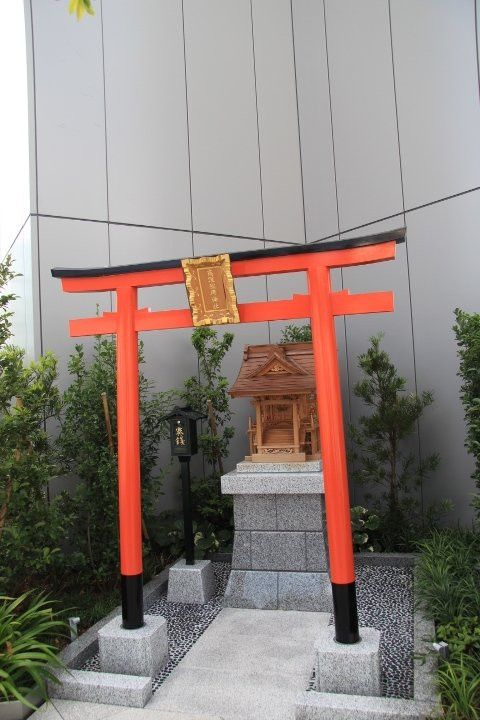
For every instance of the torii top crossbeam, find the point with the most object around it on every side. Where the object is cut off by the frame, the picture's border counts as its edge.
(320, 304)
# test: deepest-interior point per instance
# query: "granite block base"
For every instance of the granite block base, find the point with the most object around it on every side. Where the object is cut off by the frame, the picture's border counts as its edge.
(350, 669)
(141, 652)
(191, 584)
(95, 687)
(266, 590)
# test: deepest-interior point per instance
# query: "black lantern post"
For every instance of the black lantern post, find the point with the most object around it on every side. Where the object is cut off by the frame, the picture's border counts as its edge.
(183, 440)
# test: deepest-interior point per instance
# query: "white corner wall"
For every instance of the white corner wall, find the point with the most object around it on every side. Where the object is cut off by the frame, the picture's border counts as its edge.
(167, 128)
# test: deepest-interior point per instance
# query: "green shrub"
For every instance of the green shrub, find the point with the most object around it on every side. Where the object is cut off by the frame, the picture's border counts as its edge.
(364, 529)
(467, 331)
(27, 628)
(462, 634)
(446, 577)
(459, 684)
(380, 460)
(296, 334)
(87, 448)
(31, 527)
(209, 394)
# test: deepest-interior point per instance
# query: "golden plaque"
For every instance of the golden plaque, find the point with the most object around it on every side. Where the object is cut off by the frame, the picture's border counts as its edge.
(211, 291)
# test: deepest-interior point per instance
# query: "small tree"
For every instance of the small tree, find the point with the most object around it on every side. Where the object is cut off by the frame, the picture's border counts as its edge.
(379, 457)
(296, 333)
(467, 332)
(31, 527)
(212, 510)
(209, 394)
(87, 447)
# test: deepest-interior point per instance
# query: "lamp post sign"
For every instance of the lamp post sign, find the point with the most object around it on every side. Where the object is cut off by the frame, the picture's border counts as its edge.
(183, 442)
(321, 305)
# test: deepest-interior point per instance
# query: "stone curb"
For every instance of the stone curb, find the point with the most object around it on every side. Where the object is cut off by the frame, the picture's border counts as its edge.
(109, 688)
(114, 689)
(315, 705)
(77, 653)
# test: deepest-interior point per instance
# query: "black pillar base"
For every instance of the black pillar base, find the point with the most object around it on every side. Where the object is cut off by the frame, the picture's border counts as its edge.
(132, 601)
(345, 612)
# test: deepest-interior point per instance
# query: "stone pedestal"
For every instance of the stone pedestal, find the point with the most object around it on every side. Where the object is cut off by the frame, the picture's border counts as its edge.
(348, 669)
(142, 651)
(192, 584)
(279, 551)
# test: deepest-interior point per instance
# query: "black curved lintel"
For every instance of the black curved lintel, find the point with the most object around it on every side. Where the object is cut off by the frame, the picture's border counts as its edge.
(397, 235)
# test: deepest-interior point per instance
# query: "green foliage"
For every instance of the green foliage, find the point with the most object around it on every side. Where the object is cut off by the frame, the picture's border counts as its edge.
(462, 634)
(6, 275)
(80, 7)
(467, 331)
(27, 626)
(380, 461)
(88, 450)
(296, 333)
(364, 527)
(168, 536)
(31, 527)
(209, 394)
(459, 684)
(446, 577)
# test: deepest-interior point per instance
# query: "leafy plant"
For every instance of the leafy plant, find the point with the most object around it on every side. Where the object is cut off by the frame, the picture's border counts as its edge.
(459, 684)
(87, 447)
(80, 7)
(364, 527)
(462, 634)
(27, 626)
(168, 535)
(209, 395)
(467, 332)
(380, 460)
(31, 527)
(296, 333)
(446, 577)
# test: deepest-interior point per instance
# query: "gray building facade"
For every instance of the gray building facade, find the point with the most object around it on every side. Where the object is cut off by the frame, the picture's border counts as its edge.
(175, 128)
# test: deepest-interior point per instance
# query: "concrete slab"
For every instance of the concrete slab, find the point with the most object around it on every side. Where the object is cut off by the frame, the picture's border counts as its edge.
(48, 711)
(249, 665)
(328, 706)
(75, 710)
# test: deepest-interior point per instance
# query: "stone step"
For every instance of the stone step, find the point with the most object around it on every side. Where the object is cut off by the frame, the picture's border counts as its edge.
(275, 483)
(329, 706)
(284, 467)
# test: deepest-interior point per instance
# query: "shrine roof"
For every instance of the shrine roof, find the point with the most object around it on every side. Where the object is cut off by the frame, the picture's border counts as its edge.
(283, 369)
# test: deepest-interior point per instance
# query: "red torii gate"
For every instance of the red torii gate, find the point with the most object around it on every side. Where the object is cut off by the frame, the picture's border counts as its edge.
(321, 305)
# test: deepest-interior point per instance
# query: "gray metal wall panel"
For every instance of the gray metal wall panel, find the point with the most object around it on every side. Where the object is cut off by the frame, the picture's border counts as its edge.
(443, 250)
(222, 117)
(278, 121)
(148, 173)
(437, 94)
(363, 107)
(169, 357)
(315, 122)
(69, 113)
(69, 243)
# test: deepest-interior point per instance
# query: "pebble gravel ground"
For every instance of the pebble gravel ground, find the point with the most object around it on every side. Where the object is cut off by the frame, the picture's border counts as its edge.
(385, 601)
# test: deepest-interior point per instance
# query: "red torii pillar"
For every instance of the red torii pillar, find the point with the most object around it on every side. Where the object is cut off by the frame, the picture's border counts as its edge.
(321, 305)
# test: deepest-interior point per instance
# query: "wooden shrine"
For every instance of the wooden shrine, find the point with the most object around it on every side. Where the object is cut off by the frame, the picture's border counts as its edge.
(281, 381)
